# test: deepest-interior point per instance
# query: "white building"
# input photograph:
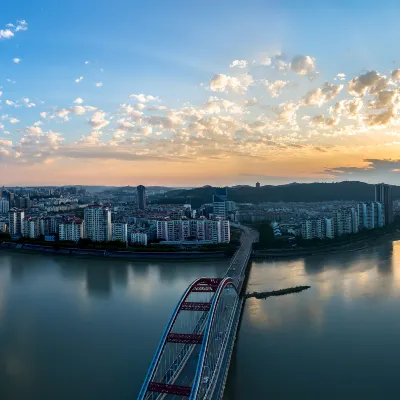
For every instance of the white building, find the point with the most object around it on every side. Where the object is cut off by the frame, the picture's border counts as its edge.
(4, 206)
(346, 221)
(329, 228)
(371, 215)
(30, 228)
(139, 238)
(219, 209)
(321, 228)
(217, 230)
(50, 225)
(15, 218)
(97, 223)
(119, 231)
(71, 230)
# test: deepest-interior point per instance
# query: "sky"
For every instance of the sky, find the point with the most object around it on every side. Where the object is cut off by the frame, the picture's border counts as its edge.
(192, 93)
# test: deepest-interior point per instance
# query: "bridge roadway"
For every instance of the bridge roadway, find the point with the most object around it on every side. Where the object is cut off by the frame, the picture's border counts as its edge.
(186, 370)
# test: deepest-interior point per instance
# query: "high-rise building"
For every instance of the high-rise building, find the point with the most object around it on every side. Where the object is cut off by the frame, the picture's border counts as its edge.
(139, 238)
(30, 228)
(71, 229)
(371, 215)
(97, 225)
(321, 228)
(15, 218)
(258, 185)
(4, 206)
(346, 221)
(141, 197)
(220, 199)
(383, 194)
(120, 231)
(217, 230)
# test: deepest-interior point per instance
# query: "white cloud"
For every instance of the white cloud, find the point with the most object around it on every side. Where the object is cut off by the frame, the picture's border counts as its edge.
(99, 84)
(28, 103)
(303, 65)
(319, 96)
(142, 98)
(5, 142)
(266, 61)
(16, 60)
(239, 64)
(222, 83)
(276, 87)
(87, 62)
(79, 79)
(251, 102)
(98, 120)
(140, 106)
(341, 76)
(11, 103)
(6, 34)
(22, 26)
(14, 121)
(78, 101)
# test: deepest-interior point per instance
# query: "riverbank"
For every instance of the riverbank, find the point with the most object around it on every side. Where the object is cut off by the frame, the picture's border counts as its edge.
(329, 249)
(126, 255)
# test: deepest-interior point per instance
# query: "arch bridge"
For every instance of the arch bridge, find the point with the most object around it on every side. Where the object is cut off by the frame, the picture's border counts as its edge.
(193, 355)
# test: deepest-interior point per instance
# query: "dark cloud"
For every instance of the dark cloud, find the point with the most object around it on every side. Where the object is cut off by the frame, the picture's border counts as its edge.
(381, 169)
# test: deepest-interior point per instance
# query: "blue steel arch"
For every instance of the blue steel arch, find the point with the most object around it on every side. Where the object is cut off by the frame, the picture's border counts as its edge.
(156, 359)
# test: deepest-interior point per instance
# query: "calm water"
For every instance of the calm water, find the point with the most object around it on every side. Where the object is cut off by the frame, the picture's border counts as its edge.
(87, 329)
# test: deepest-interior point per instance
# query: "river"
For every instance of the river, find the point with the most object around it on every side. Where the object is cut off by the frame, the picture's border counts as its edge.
(87, 328)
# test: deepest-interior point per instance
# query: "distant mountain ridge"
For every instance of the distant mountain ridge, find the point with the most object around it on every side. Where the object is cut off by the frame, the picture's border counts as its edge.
(297, 192)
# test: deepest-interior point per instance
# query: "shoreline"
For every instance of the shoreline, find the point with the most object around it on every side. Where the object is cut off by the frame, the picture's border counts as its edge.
(360, 244)
(112, 255)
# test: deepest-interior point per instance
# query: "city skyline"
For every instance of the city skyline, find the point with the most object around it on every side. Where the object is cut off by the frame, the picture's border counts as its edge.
(163, 98)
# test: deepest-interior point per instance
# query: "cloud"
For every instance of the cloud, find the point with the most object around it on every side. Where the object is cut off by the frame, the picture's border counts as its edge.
(16, 60)
(142, 98)
(87, 62)
(239, 64)
(222, 83)
(14, 121)
(11, 29)
(79, 79)
(286, 112)
(28, 103)
(371, 82)
(99, 84)
(396, 74)
(11, 103)
(98, 120)
(373, 168)
(6, 34)
(78, 100)
(275, 88)
(251, 102)
(22, 25)
(303, 65)
(319, 96)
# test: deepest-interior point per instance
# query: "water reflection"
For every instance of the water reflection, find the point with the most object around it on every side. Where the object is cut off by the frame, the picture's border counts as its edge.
(342, 330)
(74, 328)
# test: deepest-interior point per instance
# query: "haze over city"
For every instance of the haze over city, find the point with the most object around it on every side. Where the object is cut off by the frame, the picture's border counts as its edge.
(116, 94)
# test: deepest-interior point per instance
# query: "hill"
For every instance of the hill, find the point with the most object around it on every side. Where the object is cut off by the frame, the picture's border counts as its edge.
(297, 192)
